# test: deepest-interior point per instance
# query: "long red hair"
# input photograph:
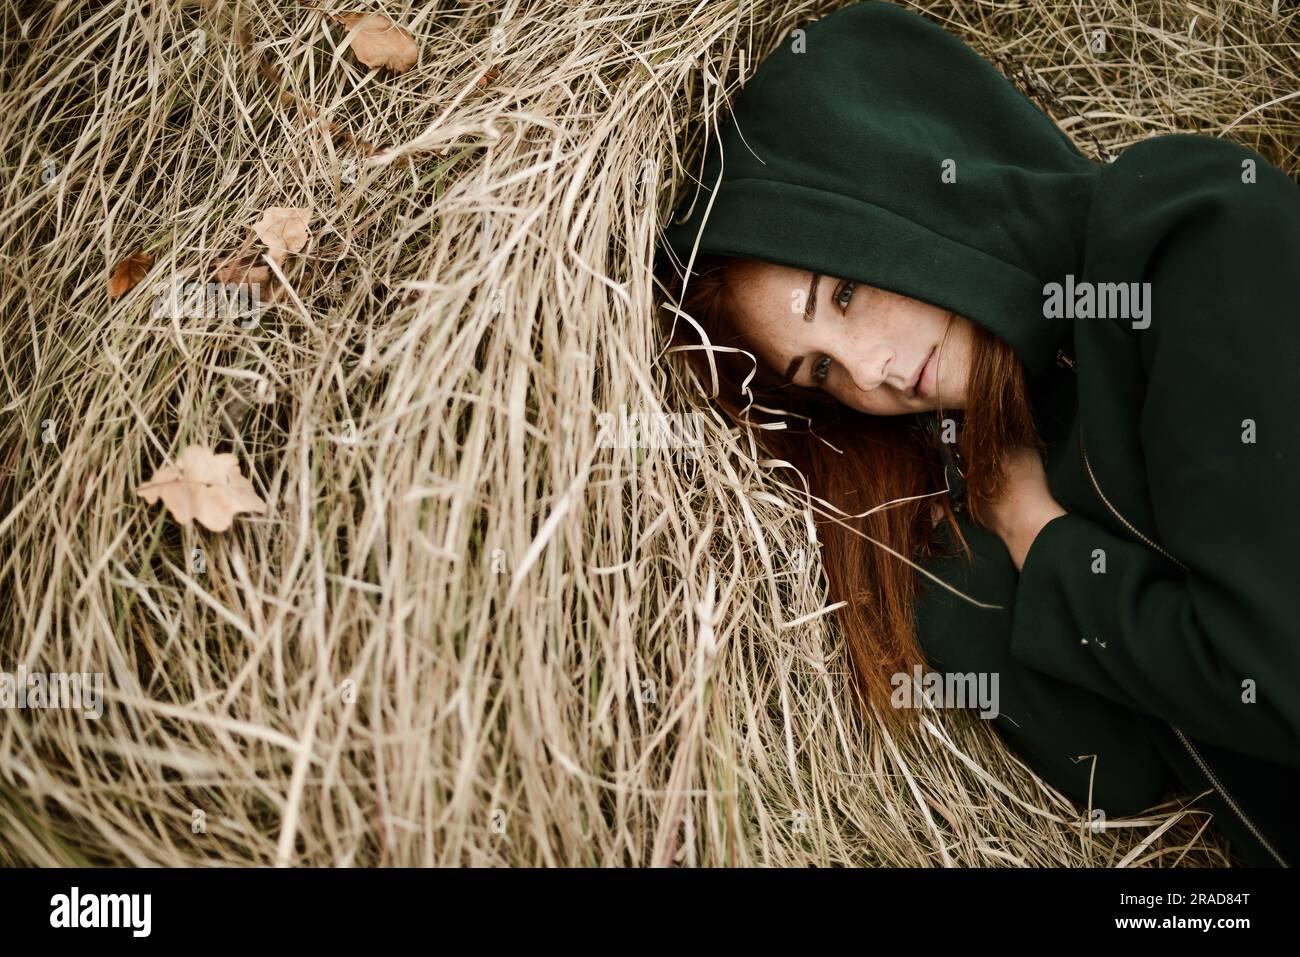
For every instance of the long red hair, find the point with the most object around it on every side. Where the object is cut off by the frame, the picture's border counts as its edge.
(855, 462)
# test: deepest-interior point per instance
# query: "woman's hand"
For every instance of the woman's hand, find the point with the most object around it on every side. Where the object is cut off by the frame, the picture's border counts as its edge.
(1026, 503)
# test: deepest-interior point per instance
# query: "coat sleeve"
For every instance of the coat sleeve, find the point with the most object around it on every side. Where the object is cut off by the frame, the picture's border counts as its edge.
(1212, 648)
(1079, 743)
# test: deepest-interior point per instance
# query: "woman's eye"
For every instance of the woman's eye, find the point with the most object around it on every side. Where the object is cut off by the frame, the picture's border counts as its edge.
(844, 294)
(821, 368)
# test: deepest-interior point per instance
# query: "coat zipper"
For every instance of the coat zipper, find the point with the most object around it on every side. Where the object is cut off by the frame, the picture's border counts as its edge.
(1064, 359)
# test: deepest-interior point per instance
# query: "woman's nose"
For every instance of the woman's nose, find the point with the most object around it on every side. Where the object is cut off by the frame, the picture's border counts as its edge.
(869, 371)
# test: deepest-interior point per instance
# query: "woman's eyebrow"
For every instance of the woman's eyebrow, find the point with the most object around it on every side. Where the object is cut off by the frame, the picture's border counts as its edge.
(808, 309)
(810, 306)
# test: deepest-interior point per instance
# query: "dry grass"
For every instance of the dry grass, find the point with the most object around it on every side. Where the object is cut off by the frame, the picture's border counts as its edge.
(626, 681)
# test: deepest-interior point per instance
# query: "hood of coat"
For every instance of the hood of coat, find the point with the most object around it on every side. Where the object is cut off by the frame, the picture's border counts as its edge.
(875, 146)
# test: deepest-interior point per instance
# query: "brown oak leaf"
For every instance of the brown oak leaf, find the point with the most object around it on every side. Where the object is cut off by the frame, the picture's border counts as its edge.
(283, 229)
(203, 486)
(380, 42)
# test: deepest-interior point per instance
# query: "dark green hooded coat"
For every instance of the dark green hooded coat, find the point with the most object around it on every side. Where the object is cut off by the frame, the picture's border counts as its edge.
(1156, 626)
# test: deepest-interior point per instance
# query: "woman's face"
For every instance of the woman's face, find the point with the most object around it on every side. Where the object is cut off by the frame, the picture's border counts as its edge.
(873, 350)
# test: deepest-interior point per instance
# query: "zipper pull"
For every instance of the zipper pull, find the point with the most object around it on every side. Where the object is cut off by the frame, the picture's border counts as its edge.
(1063, 359)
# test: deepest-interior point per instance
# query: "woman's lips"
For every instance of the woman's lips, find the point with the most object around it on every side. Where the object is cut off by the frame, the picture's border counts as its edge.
(925, 383)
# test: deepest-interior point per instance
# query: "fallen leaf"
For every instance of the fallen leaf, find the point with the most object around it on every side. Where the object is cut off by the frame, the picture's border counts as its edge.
(380, 42)
(283, 229)
(242, 272)
(204, 486)
(128, 273)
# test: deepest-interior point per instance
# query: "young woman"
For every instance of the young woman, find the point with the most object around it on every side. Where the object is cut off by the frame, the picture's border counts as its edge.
(1070, 382)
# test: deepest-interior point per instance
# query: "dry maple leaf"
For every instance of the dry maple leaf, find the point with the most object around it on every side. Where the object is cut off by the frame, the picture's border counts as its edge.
(204, 486)
(283, 229)
(380, 42)
(128, 273)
